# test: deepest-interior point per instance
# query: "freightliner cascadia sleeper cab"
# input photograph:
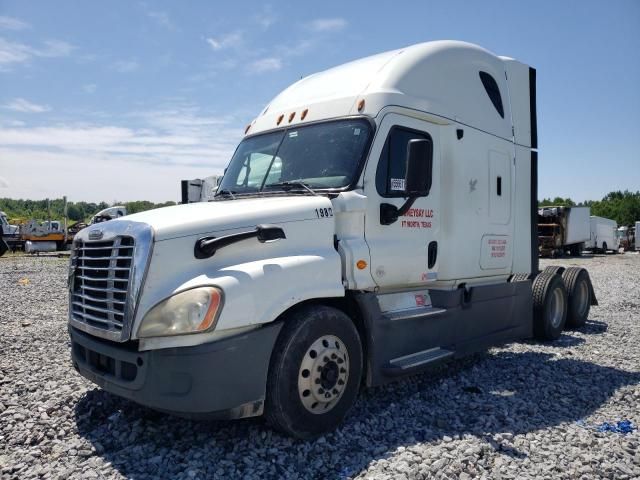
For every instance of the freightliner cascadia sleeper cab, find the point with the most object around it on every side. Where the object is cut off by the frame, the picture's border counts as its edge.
(378, 218)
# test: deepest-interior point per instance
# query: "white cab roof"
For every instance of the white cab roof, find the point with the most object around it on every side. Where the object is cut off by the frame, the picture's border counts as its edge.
(441, 78)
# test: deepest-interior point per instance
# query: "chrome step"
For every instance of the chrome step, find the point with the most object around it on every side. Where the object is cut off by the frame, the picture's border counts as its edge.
(416, 361)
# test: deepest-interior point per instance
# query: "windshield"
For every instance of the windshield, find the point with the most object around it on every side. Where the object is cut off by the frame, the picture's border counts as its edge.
(321, 155)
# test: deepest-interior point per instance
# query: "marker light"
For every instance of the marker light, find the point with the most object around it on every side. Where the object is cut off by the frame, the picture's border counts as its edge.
(361, 264)
(280, 119)
(191, 311)
(292, 116)
(361, 105)
(246, 129)
(304, 113)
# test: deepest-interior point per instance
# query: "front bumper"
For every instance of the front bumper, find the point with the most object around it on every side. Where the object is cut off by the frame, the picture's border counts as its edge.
(222, 379)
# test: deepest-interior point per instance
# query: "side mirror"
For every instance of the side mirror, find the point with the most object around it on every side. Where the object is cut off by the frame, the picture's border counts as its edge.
(417, 180)
(419, 168)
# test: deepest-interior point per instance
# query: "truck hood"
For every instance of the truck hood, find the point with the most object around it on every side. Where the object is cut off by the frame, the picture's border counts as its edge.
(209, 217)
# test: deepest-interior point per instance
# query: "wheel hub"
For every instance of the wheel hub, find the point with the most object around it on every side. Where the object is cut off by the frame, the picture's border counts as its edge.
(329, 375)
(323, 374)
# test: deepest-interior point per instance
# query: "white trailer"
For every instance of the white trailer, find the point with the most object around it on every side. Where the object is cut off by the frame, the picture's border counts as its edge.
(562, 229)
(199, 189)
(377, 219)
(602, 236)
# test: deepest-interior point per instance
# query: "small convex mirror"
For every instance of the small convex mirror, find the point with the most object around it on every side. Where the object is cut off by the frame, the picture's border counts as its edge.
(418, 176)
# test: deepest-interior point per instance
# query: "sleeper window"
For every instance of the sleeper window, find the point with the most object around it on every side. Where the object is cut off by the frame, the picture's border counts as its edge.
(493, 91)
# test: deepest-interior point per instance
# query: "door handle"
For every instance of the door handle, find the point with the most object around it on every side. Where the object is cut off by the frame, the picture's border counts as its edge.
(206, 247)
(432, 254)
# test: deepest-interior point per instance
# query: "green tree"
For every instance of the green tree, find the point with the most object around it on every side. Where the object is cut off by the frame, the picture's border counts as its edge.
(20, 211)
(623, 207)
(556, 202)
(75, 213)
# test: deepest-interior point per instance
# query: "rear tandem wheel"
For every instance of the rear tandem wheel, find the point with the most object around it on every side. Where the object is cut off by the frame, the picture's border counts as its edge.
(579, 289)
(549, 306)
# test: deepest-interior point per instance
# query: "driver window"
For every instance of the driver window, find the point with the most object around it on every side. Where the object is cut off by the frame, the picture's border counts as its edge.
(393, 161)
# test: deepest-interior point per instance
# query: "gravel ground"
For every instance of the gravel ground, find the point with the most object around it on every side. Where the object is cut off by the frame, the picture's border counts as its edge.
(513, 412)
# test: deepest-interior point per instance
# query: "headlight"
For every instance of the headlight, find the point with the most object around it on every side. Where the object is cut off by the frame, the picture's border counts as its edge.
(191, 311)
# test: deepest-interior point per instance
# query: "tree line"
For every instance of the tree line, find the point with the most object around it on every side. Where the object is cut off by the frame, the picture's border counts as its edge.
(20, 211)
(623, 207)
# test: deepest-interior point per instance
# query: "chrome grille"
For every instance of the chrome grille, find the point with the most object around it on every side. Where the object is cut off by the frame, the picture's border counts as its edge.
(100, 281)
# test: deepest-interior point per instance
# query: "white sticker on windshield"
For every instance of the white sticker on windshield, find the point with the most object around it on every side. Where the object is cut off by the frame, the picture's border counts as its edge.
(356, 131)
(397, 184)
(293, 134)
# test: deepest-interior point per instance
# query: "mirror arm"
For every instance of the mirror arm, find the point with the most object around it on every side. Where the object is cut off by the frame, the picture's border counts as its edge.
(407, 205)
(389, 213)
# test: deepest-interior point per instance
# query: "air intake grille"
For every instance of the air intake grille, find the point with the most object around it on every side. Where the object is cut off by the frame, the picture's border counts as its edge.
(100, 276)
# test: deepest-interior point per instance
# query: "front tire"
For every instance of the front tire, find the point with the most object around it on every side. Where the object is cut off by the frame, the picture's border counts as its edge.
(549, 306)
(315, 372)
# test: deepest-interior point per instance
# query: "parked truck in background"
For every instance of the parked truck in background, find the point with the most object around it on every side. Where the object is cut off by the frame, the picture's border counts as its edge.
(199, 189)
(7, 229)
(562, 230)
(626, 237)
(4, 227)
(602, 237)
(636, 230)
(107, 214)
(377, 219)
(9, 234)
(46, 236)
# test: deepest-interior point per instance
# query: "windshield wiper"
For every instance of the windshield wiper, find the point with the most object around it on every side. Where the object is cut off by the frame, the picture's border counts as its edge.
(288, 186)
(226, 192)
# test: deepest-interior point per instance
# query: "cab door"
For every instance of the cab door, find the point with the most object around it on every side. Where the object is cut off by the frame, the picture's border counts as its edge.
(405, 252)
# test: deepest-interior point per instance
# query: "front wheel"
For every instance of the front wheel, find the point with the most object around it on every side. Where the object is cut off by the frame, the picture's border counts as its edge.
(315, 372)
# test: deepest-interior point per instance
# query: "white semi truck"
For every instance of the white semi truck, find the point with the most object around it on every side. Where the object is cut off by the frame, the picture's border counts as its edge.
(377, 219)
(602, 235)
